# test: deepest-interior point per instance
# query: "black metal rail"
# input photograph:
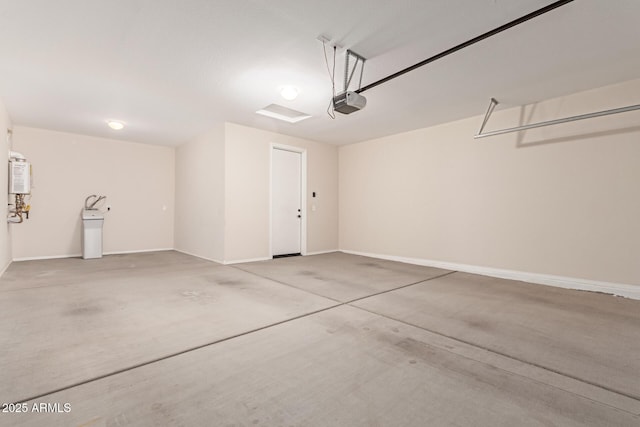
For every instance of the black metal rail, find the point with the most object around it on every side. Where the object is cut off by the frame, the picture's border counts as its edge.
(468, 43)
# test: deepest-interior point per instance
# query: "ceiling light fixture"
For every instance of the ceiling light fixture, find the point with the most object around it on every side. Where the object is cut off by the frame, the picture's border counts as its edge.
(289, 92)
(115, 125)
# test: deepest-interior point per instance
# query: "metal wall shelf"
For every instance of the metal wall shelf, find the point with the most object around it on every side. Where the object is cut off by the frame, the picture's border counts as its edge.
(494, 103)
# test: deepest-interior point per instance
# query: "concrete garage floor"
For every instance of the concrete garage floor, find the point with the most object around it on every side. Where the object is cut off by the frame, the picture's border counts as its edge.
(328, 340)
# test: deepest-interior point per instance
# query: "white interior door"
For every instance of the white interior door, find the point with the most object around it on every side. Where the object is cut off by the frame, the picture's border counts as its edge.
(286, 202)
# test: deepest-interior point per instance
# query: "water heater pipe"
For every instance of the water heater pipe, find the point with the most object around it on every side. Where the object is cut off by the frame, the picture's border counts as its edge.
(16, 156)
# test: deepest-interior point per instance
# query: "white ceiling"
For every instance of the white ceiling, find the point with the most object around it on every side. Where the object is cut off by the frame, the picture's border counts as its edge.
(172, 69)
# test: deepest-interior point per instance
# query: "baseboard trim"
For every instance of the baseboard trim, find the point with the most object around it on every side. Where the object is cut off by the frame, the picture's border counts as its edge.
(617, 289)
(198, 256)
(238, 261)
(5, 268)
(40, 258)
(321, 252)
(78, 255)
(137, 251)
(241, 261)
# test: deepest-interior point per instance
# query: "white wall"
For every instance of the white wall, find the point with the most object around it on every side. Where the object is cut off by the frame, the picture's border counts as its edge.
(247, 192)
(5, 236)
(199, 224)
(137, 179)
(561, 200)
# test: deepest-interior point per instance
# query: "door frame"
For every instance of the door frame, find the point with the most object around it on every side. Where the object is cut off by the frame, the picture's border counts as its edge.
(303, 194)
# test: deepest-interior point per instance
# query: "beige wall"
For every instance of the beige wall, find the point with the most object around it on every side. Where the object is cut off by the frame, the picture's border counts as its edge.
(199, 224)
(561, 200)
(247, 192)
(5, 237)
(137, 179)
